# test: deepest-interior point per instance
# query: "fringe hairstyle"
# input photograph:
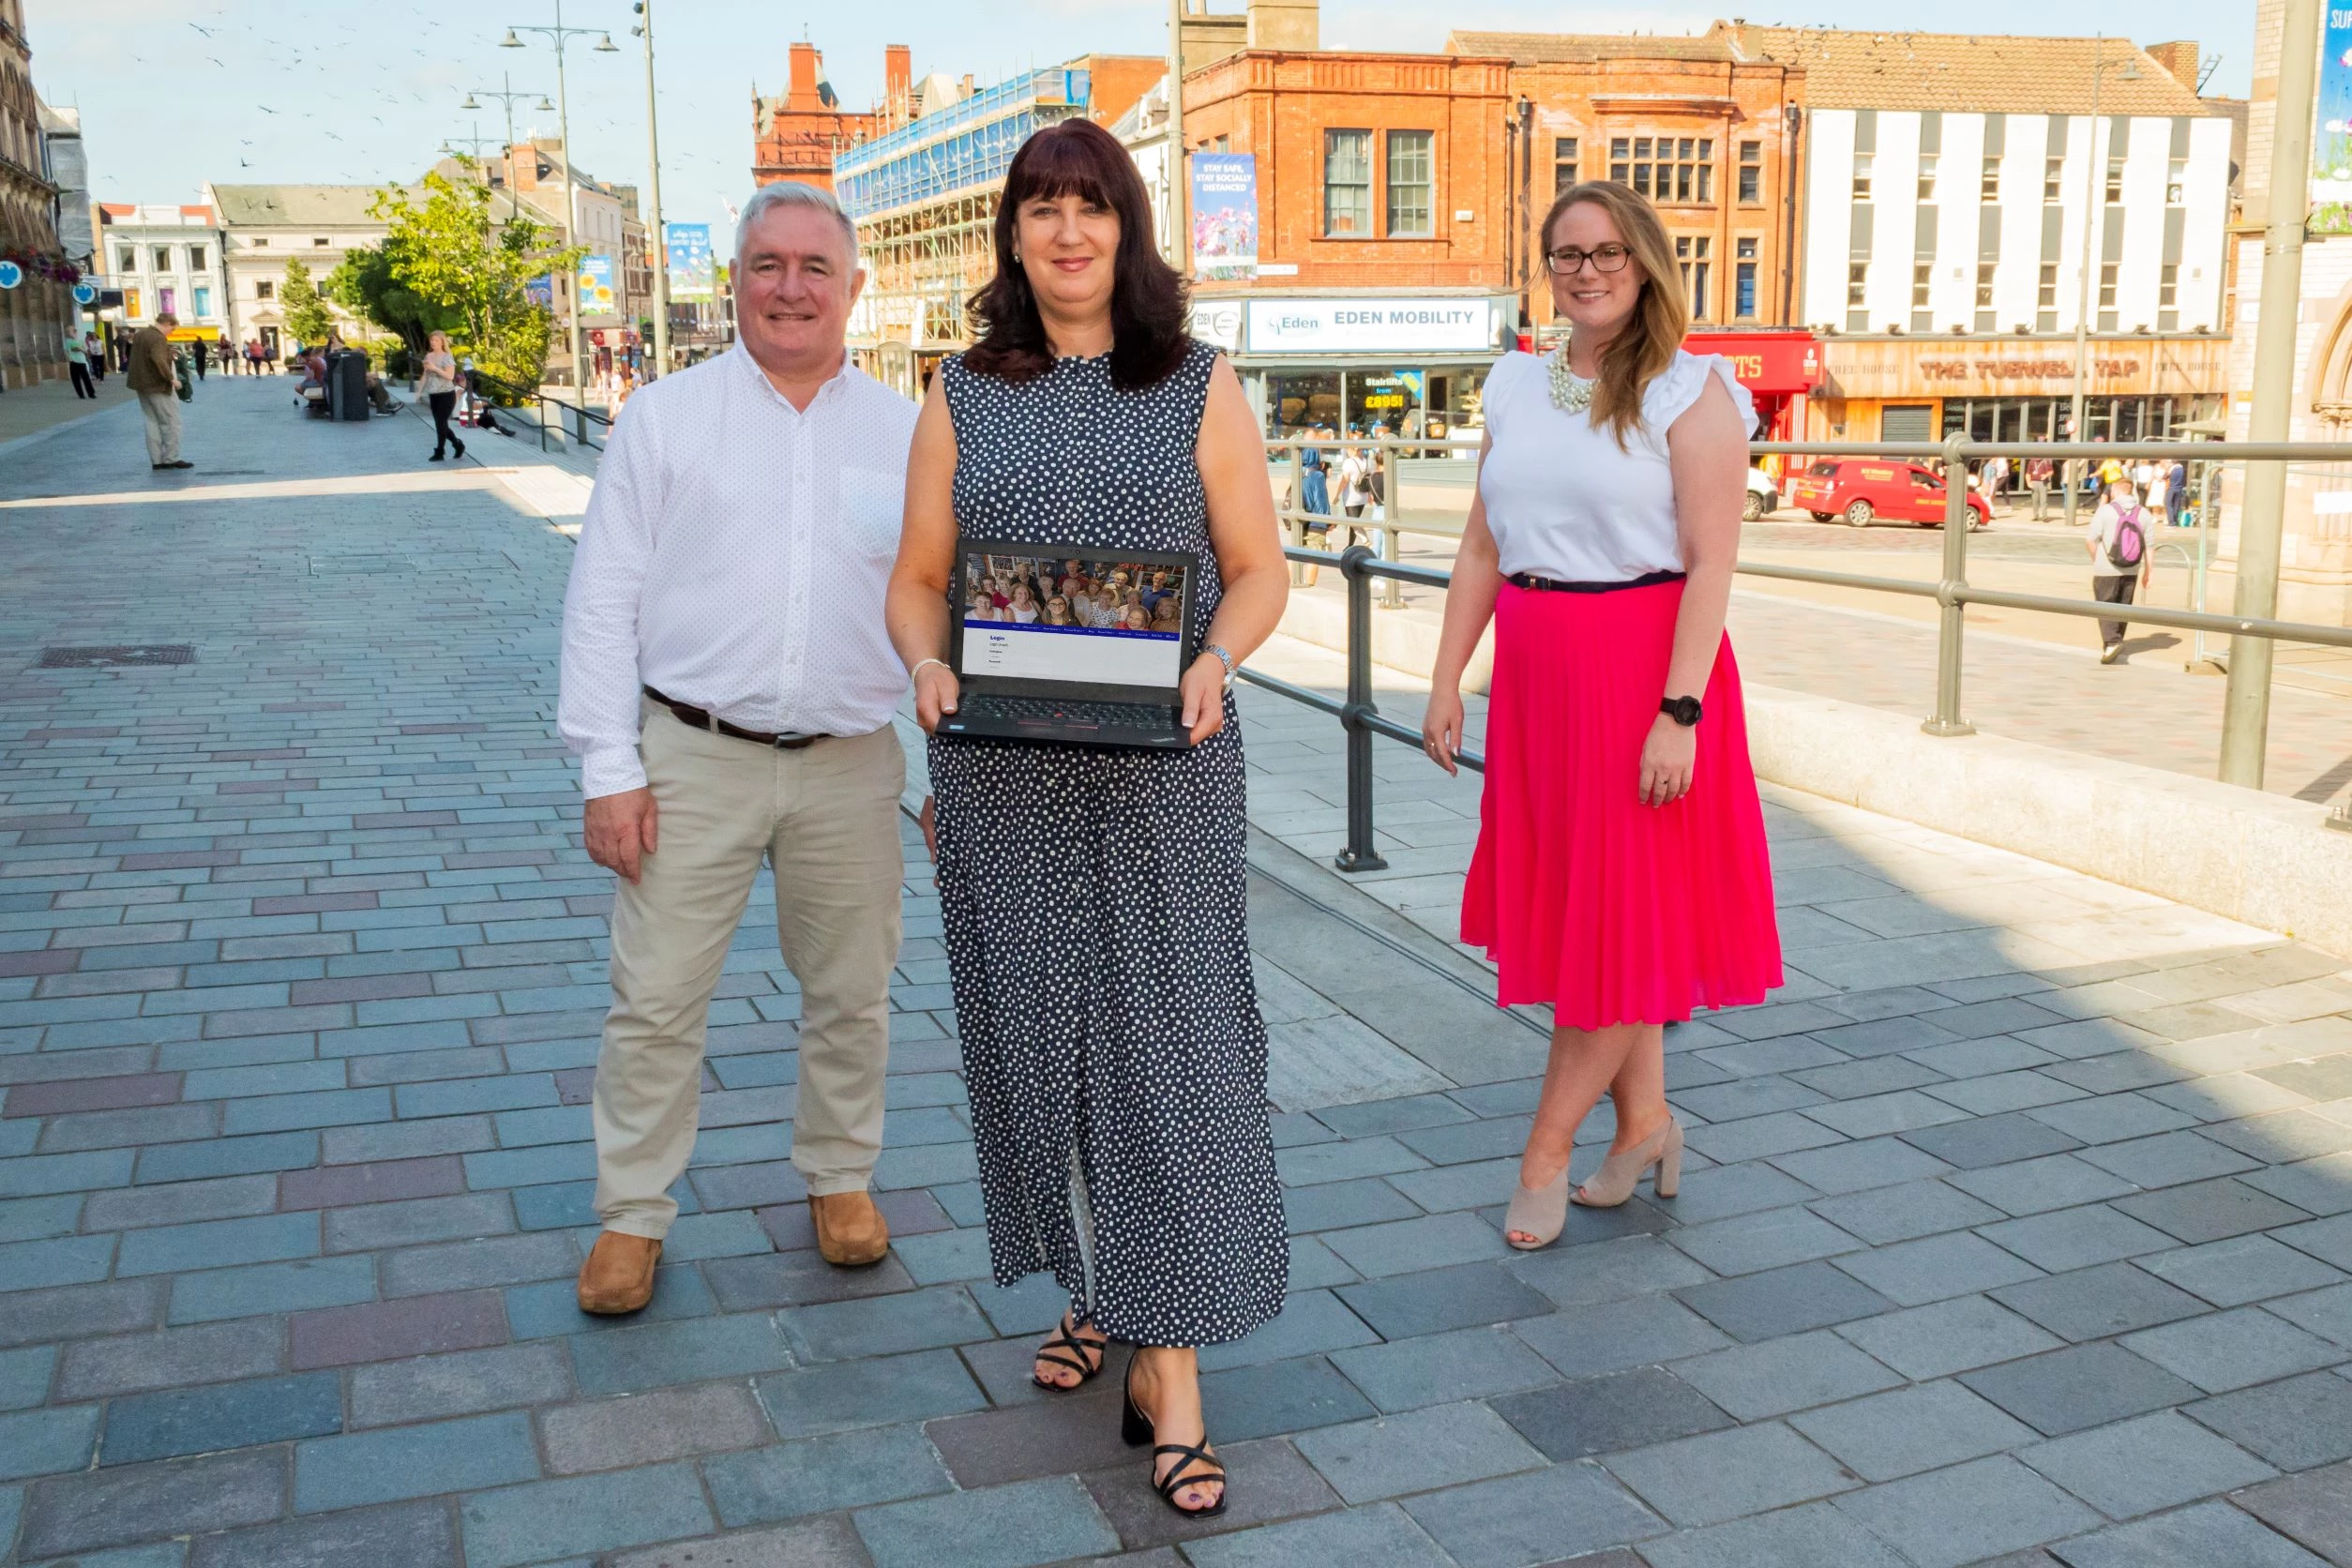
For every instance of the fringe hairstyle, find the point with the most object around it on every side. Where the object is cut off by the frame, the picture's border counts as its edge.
(1646, 345)
(1150, 322)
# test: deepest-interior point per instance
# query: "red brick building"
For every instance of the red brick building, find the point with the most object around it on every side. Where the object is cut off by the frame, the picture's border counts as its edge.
(795, 135)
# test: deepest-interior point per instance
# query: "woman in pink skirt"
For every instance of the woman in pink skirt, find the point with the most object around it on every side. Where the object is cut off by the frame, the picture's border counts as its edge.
(1622, 873)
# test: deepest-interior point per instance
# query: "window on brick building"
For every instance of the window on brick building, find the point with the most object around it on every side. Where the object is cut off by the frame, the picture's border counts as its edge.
(264, 288)
(1862, 176)
(1664, 168)
(1751, 172)
(1743, 278)
(1348, 183)
(1691, 254)
(1411, 183)
(1563, 163)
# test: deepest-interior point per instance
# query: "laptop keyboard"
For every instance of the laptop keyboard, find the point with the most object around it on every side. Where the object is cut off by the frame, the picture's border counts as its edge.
(1040, 710)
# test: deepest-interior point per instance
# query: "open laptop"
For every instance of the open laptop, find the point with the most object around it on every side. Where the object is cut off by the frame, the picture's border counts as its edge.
(1059, 643)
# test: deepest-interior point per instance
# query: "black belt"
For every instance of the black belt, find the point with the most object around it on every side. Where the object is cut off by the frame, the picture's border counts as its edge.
(1555, 585)
(703, 719)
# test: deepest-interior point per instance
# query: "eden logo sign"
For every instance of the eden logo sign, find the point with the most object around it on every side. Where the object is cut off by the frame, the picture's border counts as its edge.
(1371, 326)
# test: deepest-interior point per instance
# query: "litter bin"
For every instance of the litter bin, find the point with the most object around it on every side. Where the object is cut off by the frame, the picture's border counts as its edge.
(347, 385)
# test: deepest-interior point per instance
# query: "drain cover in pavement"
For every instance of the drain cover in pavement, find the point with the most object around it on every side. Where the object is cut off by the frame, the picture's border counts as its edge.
(111, 658)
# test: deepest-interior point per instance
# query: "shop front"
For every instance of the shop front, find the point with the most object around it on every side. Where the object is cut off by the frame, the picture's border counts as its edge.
(1360, 366)
(1780, 369)
(2142, 388)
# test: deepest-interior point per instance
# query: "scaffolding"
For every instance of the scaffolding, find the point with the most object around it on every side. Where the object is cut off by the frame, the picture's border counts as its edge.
(924, 199)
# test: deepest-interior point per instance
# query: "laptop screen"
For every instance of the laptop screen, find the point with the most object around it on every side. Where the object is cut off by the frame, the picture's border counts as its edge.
(1093, 619)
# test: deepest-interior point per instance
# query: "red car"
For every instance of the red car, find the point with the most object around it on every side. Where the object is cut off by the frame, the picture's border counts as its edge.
(1862, 490)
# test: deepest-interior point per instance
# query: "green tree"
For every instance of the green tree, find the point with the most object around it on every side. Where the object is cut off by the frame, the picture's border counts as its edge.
(450, 262)
(364, 284)
(308, 315)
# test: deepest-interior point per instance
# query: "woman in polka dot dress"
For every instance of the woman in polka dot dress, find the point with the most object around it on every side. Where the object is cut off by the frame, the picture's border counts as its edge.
(1093, 896)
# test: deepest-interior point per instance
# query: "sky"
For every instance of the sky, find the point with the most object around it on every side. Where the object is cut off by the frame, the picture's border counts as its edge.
(174, 93)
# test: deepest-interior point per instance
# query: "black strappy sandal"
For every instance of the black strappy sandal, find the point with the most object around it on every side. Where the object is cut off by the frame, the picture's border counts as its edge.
(1058, 1351)
(1136, 1428)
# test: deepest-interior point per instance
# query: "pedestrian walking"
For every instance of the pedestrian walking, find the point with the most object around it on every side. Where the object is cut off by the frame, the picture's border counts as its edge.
(226, 352)
(1995, 480)
(2145, 472)
(78, 367)
(1354, 495)
(154, 377)
(716, 733)
(93, 356)
(2040, 472)
(1622, 874)
(1094, 899)
(2121, 559)
(201, 349)
(2176, 493)
(439, 383)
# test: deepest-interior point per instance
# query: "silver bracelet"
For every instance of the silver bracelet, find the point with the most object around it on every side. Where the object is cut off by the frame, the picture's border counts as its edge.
(921, 662)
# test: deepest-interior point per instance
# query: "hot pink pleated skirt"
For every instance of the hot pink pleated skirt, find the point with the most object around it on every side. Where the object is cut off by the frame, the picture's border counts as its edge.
(1611, 911)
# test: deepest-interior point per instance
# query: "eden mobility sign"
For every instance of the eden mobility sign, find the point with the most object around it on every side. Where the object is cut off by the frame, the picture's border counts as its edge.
(1370, 325)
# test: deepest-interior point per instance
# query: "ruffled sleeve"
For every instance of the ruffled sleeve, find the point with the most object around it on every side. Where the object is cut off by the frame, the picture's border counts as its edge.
(1679, 386)
(1502, 381)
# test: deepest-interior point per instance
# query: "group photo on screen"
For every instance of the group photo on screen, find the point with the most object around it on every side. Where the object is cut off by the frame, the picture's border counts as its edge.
(1080, 594)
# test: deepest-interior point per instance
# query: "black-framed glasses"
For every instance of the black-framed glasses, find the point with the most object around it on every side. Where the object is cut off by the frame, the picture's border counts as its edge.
(1605, 258)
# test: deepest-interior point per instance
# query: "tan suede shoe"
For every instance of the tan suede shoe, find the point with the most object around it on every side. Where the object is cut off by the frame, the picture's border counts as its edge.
(851, 1231)
(618, 1277)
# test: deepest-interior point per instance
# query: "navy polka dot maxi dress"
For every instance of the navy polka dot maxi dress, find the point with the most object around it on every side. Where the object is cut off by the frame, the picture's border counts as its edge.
(1096, 913)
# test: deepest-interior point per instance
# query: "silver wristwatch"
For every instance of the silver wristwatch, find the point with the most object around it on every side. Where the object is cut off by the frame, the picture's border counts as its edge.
(1224, 658)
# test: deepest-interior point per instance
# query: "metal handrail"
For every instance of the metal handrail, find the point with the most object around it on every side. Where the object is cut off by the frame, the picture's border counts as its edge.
(1359, 567)
(539, 414)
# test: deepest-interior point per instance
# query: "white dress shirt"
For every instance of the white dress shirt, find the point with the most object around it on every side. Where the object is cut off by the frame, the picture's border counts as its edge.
(734, 557)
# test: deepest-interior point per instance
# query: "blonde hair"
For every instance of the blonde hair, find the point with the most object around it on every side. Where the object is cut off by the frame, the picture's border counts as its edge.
(1646, 345)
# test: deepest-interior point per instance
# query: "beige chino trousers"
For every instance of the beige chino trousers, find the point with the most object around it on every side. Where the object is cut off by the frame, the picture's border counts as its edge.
(826, 817)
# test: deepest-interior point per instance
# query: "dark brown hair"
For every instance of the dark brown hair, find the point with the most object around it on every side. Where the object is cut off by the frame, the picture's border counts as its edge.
(1646, 345)
(1148, 316)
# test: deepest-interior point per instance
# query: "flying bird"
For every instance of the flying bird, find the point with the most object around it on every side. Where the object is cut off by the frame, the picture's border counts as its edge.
(207, 31)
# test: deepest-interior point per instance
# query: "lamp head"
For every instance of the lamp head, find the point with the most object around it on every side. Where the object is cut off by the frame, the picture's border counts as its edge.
(606, 46)
(543, 107)
(510, 41)
(469, 102)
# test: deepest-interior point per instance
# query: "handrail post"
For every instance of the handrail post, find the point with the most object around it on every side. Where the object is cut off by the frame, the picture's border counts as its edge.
(1360, 854)
(1292, 529)
(1952, 618)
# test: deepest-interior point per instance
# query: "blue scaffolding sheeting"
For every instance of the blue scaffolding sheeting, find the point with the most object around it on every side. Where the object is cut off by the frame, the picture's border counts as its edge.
(965, 146)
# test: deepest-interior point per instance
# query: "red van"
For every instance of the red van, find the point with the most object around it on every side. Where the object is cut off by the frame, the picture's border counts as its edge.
(1862, 489)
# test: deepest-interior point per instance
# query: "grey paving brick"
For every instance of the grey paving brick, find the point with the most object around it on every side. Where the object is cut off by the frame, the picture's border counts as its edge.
(1604, 1414)
(413, 1535)
(1609, 1271)
(2141, 1465)
(807, 1544)
(1772, 1239)
(104, 1508)
(2329, 1240)
(1241, 1403)
(60, 1260)
(1335, 1204)
(1912, 1430)
(2212, 1532)
(1874, 1162)
(209, 1352)
(226, 1157)
(1933, 1268)
(25, 1376)
(2069, 1239)
(880, 1392)
(887, 1325)
(1970, 1512)
(2037, 1186)
(1031, 1439)
(1761, 1137)
(1900, 1214)
(581, 1514)
(1754, 1381)
(2079, 1387)
(386, 1331)
(2211, 1211)
(553, 1306)
(212, 1294)
(1813, 1535)
(1570, 1509)
(648, 1428)
(1416, 1451)
(375, 1225)
(1722, 1475)
(43, 1442)
(119, 1306)
(213, 1243)
(175, 1422)
(1988, 1140)
(2097, 1302)
(2323, 1187)
(1402, 1247)
(2295, 1423)
(2241, 1269)
(1783, 1302)
(1383, 1536)
(2314, 1508)
(1721, 1191)
(2231, 1349)
(2326, 1312)
(1280, 1485)
(654, 1355)
(395, 1463)
(817, 1475)
(180, 1203)
(464, 1382)
(1467, 1363)
(1408, 1305)
(1002, 1527)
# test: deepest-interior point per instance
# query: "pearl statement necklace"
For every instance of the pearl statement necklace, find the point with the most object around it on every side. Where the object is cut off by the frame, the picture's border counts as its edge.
(1571, 392)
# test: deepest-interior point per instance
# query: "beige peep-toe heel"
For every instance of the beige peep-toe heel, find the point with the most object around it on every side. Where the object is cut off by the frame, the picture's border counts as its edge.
(1538, 1211)
(1623, 1171)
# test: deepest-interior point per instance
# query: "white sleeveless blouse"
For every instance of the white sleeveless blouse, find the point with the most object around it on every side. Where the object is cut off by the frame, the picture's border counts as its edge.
(1562, 499)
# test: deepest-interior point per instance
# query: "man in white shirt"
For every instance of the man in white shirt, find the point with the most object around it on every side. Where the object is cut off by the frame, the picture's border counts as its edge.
(728, 683)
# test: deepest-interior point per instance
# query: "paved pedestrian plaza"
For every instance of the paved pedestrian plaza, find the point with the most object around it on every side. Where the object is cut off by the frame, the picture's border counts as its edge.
(2019, 1229)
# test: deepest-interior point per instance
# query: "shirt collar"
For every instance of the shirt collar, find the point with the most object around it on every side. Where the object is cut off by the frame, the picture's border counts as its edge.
(835, 386)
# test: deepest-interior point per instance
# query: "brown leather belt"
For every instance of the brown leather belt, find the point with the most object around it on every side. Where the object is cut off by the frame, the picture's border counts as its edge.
(701, 718)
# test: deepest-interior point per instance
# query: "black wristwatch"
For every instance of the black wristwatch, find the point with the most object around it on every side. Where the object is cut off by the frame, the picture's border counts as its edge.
(1682, 709)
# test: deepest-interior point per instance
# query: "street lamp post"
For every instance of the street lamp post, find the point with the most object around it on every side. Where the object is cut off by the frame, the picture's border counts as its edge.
(2130, 72)
(661, 235)
(505, 94)
(560, 34)
(1179, 188)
